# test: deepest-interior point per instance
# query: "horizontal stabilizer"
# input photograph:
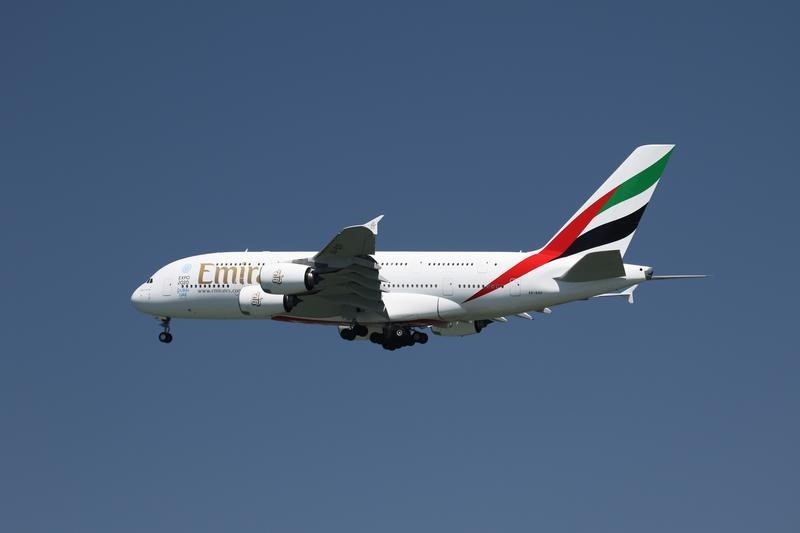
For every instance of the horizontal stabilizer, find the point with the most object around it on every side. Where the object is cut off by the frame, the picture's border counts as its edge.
(627, 293)
(595, 266)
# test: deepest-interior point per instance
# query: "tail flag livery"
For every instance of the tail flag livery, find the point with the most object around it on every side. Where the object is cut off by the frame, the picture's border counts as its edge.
(610, 216)
(608, 219)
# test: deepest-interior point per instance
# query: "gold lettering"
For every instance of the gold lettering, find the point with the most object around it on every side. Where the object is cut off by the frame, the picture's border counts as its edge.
(250, 274)
(203, 270)
(241, 275)
(225, 271)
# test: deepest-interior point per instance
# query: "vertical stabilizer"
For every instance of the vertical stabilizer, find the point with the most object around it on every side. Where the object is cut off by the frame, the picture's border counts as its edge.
(609, 218)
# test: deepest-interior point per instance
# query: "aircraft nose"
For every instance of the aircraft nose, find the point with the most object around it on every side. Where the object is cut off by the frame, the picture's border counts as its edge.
(138, 299)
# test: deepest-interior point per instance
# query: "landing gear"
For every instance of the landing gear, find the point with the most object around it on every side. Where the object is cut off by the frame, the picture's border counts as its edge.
(348, 334)
(480, 324)
(165, 336)
(394, 337)
(357, 330)
(391, 338)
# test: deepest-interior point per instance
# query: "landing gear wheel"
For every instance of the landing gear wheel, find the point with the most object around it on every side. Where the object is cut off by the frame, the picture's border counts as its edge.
(347, 334)
(360, 330)
(395, 337)
(165, 336)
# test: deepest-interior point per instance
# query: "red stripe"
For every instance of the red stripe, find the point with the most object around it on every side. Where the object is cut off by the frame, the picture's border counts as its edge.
(552, 249)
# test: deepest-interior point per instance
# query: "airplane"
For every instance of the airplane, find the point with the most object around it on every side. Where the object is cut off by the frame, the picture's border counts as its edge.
(392, 298)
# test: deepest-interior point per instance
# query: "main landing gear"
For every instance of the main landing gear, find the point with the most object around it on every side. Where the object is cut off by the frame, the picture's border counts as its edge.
(165, 336)
(393, 338)
(357, 330)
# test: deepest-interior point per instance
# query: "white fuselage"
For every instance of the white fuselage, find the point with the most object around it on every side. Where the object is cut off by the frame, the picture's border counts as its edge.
(387, 297)
(207, 286)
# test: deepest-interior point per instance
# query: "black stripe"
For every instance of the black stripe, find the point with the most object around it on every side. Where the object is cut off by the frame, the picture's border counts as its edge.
(610, 232)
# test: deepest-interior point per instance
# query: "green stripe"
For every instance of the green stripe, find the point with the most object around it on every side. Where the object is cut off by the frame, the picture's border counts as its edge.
(639, 183)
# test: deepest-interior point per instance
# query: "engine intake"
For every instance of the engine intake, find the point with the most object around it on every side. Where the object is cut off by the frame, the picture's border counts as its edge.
(287, 278)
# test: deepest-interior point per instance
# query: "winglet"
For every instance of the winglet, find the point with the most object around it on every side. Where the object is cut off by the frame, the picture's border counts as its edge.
(372, 225)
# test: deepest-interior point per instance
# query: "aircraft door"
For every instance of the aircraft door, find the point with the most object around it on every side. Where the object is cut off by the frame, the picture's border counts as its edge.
(447, 287)
(514, 287)
(167, 285)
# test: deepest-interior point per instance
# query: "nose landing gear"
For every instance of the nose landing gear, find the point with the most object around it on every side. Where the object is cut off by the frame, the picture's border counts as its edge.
(165, 336)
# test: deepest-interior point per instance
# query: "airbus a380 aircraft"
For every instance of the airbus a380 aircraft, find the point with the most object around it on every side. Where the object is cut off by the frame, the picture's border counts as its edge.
(390, 297)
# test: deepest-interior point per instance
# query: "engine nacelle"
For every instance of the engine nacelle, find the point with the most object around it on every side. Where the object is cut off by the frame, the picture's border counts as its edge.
(286, 278)
(256, 303)
(460, 329)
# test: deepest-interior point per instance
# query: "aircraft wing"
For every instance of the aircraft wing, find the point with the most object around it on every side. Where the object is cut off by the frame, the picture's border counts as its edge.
(349, 279)
(351, 242)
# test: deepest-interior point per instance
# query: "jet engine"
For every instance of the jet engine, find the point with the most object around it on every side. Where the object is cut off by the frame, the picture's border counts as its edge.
(256, 303)
(460, 329)
(287, 278)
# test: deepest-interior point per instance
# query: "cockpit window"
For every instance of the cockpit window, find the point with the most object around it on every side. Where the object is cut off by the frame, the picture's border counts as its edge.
(150, 280)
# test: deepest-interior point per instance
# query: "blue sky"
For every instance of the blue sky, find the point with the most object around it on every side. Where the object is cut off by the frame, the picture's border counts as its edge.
(134, 135)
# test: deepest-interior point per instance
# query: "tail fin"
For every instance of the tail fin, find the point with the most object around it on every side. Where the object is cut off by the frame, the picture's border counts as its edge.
(605, 222)
(608, 219)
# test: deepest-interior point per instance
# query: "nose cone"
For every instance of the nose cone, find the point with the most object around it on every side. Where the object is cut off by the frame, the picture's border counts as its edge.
(139, 299)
